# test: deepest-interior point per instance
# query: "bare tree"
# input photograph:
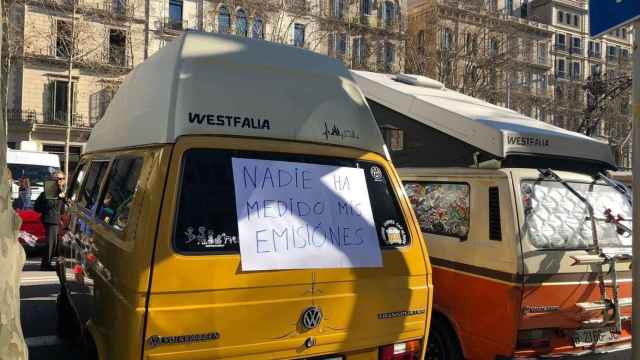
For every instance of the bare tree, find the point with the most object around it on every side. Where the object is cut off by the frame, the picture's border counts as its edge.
(480, 52)
(77, 36)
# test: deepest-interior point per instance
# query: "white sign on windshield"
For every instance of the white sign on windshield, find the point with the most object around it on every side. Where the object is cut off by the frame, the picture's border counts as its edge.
(303, 216)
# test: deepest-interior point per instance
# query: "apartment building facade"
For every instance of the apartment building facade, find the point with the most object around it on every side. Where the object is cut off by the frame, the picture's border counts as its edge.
(49, 46)
(486, 49)
(110, 37)
(577, 60)
(556, 86)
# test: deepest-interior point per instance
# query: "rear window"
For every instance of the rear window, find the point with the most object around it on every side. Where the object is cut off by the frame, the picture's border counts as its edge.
(207, 222)
(557, 219)
(37, 174)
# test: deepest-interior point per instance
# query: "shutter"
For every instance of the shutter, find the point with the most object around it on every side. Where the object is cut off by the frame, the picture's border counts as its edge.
(495, 228)
(51, 92)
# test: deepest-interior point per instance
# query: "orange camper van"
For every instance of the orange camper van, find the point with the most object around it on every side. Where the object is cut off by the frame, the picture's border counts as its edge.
(529, 240)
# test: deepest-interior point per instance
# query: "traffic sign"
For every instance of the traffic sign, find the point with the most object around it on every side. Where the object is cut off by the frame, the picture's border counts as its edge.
(607, 15)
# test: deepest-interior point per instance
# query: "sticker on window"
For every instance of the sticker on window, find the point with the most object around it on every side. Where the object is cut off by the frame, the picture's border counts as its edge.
(302, 216)
(393, 234)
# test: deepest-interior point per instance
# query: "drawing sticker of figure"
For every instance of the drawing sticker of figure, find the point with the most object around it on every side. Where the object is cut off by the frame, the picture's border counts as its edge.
(190, 235)
(202, 236)
(218, 240)
(210, 239)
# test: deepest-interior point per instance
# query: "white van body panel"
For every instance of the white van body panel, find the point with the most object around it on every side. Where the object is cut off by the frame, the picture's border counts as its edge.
(35, 158)
(496, 130)
(331, 111)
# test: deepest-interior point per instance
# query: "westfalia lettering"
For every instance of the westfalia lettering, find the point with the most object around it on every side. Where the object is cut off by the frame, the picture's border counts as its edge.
(527, 141)
(229, 121)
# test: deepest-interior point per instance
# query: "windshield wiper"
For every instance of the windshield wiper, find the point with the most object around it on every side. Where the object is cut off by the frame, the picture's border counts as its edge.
(550, 174)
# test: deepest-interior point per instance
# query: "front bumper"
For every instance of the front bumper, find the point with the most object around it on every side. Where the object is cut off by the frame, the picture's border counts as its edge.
(611, 352)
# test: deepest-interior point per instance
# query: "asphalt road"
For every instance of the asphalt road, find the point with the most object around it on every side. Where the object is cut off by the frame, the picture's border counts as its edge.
(38, 290)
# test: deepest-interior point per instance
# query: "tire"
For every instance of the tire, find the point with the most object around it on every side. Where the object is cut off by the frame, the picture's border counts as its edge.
(443, 343)
(66, 323)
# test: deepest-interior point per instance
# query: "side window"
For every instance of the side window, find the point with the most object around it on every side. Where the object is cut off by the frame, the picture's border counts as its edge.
(75, 184)
(441, 208)
(121, 187)
(89, 193)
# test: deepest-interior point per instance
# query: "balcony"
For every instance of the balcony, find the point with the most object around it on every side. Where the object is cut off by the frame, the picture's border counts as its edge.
(117, 56)
(595, 55)
(59, 118)
(576, 77)
(172, 26)
(577, 50)
(560, 47)
(561, 75)
(118, 8)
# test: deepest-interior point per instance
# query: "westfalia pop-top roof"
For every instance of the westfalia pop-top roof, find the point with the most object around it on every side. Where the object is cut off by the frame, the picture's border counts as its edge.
(496, 130)
(223, 84)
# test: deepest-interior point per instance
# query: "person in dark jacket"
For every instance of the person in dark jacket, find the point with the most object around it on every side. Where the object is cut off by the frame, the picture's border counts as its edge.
(50, 208)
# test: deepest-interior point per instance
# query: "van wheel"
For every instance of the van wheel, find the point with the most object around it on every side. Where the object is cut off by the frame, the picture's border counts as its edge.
(66, 325)
(443, 342)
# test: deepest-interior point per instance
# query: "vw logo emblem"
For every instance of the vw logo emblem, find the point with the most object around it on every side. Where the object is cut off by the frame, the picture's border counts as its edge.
(311, 318)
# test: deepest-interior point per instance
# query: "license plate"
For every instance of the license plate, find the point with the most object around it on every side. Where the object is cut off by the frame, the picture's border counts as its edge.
(586, 337)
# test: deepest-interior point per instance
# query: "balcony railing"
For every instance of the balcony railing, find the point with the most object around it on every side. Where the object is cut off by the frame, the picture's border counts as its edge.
(595, 55)
(117, 56)
(118, 8)
(172, 25)
(577, 50)
(576, 77)
(561, 47)
(18, 115)
(57, 118)
(561, 75)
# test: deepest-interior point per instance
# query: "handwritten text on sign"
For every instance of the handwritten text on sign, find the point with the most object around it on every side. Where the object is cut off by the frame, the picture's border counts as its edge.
(302, 216)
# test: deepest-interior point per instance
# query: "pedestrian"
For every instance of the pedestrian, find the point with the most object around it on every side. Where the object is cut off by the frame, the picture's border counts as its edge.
(24, 193)
(50, 206)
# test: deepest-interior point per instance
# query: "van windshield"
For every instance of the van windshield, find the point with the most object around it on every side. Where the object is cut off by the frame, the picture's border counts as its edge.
(37, 174)
(557, 219)
(207, 220)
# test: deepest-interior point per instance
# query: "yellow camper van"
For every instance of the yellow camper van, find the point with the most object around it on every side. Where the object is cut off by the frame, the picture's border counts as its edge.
(236, 202)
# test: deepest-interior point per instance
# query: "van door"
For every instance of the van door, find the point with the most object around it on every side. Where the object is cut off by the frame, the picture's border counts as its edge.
(563, 298)
(202, 304)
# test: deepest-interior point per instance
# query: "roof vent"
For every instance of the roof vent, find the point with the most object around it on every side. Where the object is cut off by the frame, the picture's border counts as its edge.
(419, 80)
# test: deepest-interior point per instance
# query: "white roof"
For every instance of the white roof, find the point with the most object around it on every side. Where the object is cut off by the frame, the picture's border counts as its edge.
(25, 157)
(496, 130)
(223, 84)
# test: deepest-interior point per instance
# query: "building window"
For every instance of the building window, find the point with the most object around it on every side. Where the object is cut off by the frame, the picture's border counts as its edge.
(389, 13)
(365, 7)
(99, 101)
(576, 44)
(58, 95)
(542, 53)
(389, 56)
(258, 28)
(560, 17)
(175, 14)
(492, 5)
(241, 23)
(224, 20)
(493, 47)
(420, 41)
(575, 71)
(561, 41)
(576, 20)
(117, 47)
(337, 8)
(509, 7)
(612, 52)
(624, 33)
(560, 69)
(298, 35)
(341, 46)
(447, 39)
(596, 71)
(63, 38)
(358, 51)
(524, 9)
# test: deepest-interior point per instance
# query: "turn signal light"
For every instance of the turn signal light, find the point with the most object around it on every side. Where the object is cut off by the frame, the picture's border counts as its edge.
(409, 350)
